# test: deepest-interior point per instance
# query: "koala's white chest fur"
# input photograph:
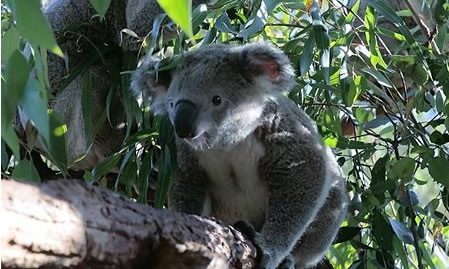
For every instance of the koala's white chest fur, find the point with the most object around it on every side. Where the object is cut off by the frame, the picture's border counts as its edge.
(235, 189)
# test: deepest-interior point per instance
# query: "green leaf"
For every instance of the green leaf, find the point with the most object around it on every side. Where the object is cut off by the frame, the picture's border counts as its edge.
(403, 233)
(439, 103)
(41, 65)
(223, 24)
(5, 156)
(425, 254)
(17, 71)
(401, 253)
(379, 170)
(163, 180)
(362, 115)
(141, 136)
(332, 121)
(354, 91)
(403, 61)
(157, 22)
(11, 139)
(106, 166)
(382, 231)
(370, 24)
(33, 25)
(402, 169)
(378, 76)
(307, 55)
(258, 21)
(439, 138)
(101, 6)
(354, 10)
(144, 175)
(25, 171)
(10, 42)
(439, 170)
(57, 145)
(419, 74)
(35, 107)
(346, 233)
(128, 172)
(378, 121)
(180, 12)
(391, 16)
(322, 40)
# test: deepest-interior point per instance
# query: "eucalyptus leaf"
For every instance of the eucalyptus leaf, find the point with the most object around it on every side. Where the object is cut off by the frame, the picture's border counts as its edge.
(306, 57)
(403, 233)
(25, 171)
(439, 170)
(101, 6)
(10, 43)
(402, 169)
(33, 25)
(180, 12)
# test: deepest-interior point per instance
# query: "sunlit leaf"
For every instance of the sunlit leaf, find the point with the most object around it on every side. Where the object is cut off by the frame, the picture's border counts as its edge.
(180, 12)
(391, 16)
(32, 24)
(370, 24)
(350, 17)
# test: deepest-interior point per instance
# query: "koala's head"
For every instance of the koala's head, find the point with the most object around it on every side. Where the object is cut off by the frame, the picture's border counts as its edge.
(216, 96)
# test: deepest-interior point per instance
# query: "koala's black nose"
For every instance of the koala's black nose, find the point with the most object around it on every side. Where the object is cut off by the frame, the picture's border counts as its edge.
(186, 114)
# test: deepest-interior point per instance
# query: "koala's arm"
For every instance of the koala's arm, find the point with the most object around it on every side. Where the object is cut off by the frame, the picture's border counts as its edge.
(188, 191)
(294, 167)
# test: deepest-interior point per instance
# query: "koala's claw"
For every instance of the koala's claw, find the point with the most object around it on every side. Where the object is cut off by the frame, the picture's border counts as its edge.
(247, 229)
(263, 257)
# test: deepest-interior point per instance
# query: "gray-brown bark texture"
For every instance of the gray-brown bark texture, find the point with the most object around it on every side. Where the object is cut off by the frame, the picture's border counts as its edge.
(68, 223)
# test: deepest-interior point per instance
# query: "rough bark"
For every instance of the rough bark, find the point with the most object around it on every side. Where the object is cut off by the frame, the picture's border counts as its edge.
(68, 223)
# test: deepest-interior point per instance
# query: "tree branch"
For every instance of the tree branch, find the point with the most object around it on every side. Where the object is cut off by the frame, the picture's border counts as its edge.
(69, 223)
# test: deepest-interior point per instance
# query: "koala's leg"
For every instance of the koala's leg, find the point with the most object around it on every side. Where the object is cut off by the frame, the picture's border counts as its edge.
(319, 235)
(188, 194)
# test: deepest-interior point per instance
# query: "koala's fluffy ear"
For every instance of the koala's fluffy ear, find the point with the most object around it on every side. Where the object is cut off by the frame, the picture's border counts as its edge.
(265, 64)
(150, 85)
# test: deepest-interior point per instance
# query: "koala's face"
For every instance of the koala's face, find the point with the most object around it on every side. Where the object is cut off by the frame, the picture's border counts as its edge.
(216, 96)
(210, 103)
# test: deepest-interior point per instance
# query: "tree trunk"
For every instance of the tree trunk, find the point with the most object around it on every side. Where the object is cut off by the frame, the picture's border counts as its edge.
(68, 223)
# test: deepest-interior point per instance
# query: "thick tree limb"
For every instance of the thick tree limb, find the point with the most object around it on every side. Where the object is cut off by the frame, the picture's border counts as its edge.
(68, 223)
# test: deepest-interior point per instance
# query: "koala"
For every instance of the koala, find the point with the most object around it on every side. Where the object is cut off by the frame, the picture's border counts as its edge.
(245, 152)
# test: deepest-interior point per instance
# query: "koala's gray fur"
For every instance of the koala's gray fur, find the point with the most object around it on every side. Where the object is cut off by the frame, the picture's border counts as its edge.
(255, 156)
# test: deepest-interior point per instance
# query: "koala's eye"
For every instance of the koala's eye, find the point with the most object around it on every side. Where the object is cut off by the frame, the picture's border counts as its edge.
(216, 100)
(171, 104)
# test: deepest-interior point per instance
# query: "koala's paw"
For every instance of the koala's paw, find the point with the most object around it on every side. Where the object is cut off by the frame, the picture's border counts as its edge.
(287, 263)
(265, 259)
(247, 229)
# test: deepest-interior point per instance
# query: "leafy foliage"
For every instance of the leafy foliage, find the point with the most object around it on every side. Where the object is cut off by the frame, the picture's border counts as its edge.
(375, 80)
